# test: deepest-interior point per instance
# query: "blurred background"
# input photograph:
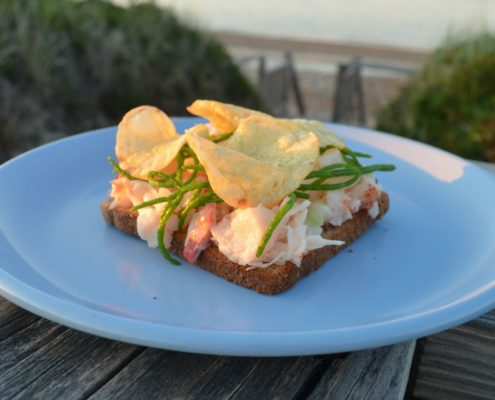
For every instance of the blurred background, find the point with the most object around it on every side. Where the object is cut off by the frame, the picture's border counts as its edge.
(424, 69)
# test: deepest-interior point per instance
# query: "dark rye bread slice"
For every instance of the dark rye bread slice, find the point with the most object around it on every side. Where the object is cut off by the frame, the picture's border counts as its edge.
(273, 279)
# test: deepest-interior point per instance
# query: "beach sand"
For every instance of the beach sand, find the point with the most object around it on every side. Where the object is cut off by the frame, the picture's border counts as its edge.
(386, 70)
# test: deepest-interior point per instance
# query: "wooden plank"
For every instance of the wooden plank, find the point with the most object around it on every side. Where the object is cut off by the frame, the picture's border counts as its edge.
(158, 374)
(270, 378)
(27, 341)
(70, 365)
(445, 385)
(487, 319)
(377, 374)
(45, 360)
(450, 354)
(167, 374)
(226, 379)
(458, 363)
(13, 318)
(371, 374)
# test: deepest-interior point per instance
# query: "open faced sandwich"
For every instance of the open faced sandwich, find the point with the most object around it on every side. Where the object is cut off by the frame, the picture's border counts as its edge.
(257, 200)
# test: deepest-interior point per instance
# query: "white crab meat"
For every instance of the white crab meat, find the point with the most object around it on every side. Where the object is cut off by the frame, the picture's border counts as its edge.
(126, 193)
(239, 234)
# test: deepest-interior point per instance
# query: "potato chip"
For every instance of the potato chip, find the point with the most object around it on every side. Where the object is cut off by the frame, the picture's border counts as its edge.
(147, 141)
(200, 130)
(161, 157)
(224, 117)
(326, 136)
(264, 161)
(279, 142)
(239, 180)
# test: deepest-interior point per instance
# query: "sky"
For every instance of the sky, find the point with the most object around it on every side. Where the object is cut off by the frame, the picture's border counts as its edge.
(421, 24)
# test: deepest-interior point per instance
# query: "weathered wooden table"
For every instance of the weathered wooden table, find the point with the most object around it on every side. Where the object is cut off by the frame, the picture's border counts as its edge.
(43, 360)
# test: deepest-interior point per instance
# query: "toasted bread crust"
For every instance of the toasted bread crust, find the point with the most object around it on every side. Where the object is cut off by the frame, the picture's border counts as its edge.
(271, 280)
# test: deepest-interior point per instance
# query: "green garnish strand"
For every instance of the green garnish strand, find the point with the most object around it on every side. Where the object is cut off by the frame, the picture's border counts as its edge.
(194, 170)
(344, 150)
(334, 173)
(340, 170)
(187, 152)
(181, 191)
(301, 195)
(352, 160)
(350, 156)
(194, 167)
(159, 179)
(192, 177)
(350, 171)
(319, 181)
(276, 220)
(180, 163)
(117, 169)
(167, 213)
(222, 137)
(350, 152)
(197, 202)
(187, 207)
(330, 186)
(333, 166)
(378, 167)
(154, 201)
(327, 147)
(194, 186)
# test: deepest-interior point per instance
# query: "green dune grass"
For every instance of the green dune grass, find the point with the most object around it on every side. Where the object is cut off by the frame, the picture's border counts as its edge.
(69, 66)
(451, 102)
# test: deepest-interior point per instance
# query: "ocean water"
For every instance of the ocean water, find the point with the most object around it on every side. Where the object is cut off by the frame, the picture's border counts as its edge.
(420, 24)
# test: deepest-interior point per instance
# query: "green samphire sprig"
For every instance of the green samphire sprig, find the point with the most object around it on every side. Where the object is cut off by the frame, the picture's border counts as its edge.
(203, 194)
(351, 168)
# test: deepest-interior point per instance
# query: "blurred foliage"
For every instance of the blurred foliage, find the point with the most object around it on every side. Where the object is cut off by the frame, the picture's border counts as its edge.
(451, 102)
(69, 66)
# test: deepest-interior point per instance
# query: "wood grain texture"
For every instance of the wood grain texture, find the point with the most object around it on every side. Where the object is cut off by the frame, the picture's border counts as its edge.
(167, 374)
(270, 378)
(370, 374)
(156, 374)
(44, 360)
(13, 318)
(376, 374)
(26, 342)
(458, 363)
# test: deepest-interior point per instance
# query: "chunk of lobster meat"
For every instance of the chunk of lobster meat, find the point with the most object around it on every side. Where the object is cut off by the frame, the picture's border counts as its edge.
(199, 232)
(369, 197)
(366, 190)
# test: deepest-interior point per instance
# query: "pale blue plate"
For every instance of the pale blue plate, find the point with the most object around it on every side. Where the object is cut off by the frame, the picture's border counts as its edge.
(427, 266)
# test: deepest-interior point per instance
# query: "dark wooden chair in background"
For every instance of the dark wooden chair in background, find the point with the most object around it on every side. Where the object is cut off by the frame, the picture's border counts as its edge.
(278, 84)
(280, 89)
(348, 99)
